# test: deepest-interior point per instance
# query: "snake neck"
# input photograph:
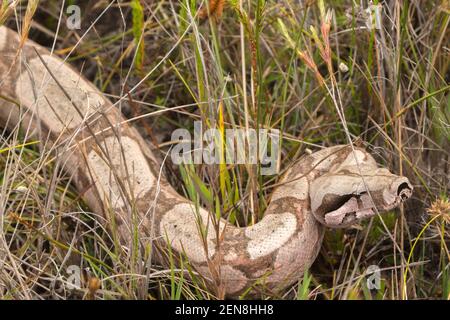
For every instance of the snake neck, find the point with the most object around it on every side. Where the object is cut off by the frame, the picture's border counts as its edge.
(274, 252)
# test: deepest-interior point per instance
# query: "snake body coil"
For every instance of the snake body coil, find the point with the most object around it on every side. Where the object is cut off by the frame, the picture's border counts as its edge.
(118, 175)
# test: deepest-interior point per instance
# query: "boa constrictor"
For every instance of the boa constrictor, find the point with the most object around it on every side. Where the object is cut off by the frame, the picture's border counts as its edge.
(118, 175)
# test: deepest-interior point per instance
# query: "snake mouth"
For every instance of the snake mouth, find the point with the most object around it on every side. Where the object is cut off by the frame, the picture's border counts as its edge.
(348, 209)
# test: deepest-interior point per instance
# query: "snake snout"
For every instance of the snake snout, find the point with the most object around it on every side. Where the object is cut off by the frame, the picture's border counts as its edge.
(401, 188)
(404, 190)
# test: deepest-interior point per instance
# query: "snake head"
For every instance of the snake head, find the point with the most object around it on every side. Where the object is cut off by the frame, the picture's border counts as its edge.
(353, 193)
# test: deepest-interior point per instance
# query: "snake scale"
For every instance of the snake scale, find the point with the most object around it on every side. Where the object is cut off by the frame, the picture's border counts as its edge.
(118, 175)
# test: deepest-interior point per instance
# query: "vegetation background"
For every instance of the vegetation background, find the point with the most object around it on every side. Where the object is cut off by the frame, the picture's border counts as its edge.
(312, 69)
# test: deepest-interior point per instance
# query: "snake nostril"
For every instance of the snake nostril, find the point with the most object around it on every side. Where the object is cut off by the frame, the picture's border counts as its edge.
(404, 191)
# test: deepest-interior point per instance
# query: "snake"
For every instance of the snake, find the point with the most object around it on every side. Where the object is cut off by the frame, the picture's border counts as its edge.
(118, 175)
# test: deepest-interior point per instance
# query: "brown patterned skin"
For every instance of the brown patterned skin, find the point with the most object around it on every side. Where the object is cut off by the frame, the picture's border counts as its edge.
(116, 171)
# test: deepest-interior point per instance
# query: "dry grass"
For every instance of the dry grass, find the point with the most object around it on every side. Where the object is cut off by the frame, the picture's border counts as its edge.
(318, 76)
